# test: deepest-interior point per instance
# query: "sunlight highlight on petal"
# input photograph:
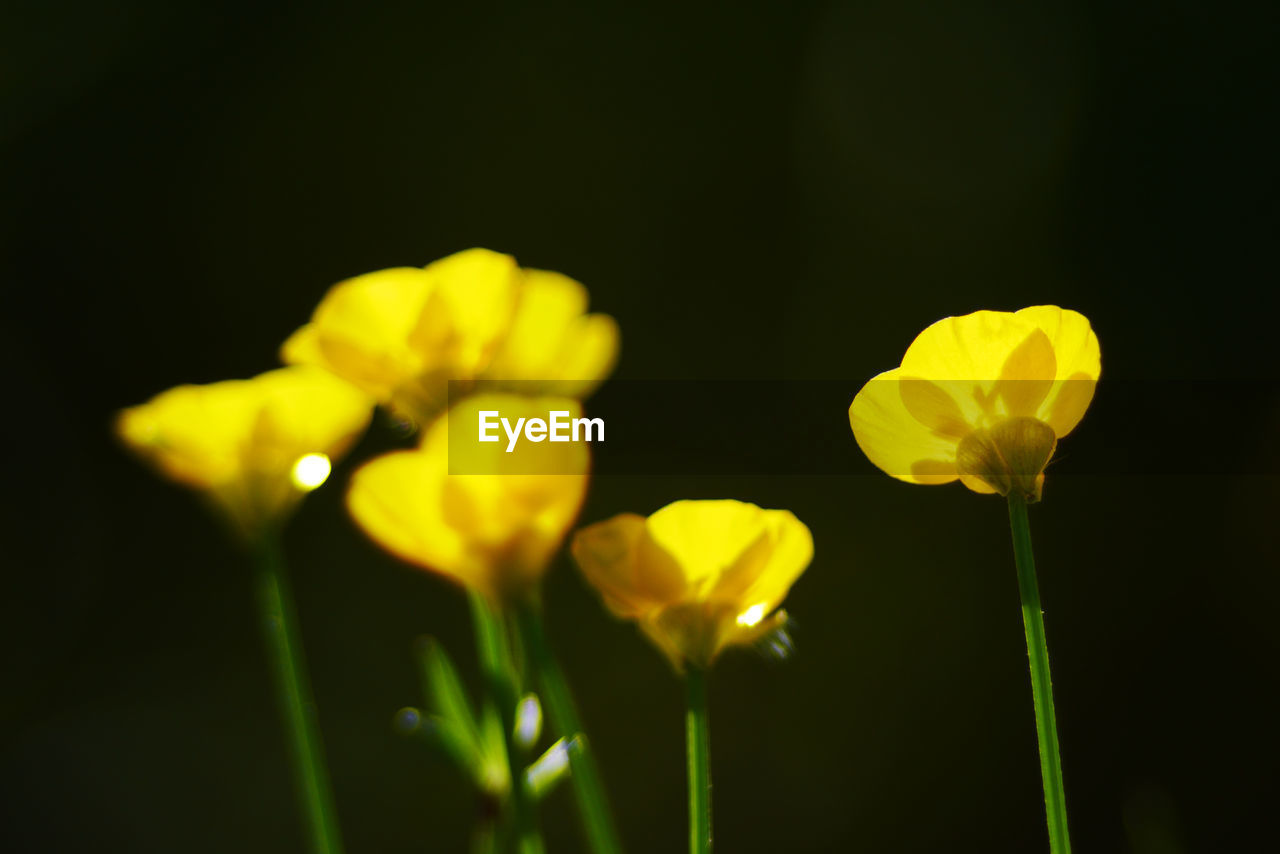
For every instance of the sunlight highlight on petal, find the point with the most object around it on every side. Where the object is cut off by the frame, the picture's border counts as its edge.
(752, 615)
(310, 471)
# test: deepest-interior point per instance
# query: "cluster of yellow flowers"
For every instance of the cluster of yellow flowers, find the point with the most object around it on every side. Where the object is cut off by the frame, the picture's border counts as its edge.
(981, 398)
(697, 576)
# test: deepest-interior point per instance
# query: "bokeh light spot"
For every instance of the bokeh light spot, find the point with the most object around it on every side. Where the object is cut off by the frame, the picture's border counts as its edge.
(751, 616)
(310, 471)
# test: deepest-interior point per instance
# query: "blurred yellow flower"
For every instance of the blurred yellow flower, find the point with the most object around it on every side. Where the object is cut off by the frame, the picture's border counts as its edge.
(402, 334)
(697, 576)
(256, 446)
(494, 532)
(983, 398)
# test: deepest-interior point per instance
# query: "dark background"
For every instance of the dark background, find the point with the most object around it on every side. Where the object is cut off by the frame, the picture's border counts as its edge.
(787, 191)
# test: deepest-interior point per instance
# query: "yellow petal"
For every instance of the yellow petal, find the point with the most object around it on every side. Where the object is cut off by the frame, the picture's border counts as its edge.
(470, 306)
(306, 410)
(993, 364)
(935, 405)
(588, 355)
(790, 553)
(553, 342)
(1026, 376)
(977, 484)
(193, 434)
(1075, 345)
(361, 329)
(606, 554)
(707, 537)
(398, 500)
(633, 581)
(1079, 365)
(303, 347)
(526, 500)
(895, 441)
(973, 347)
(548, 306)
(1066, 404)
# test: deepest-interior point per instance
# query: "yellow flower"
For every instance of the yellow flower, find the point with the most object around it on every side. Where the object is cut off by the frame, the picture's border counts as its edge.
(256, 446)
(697, 576)
(494, 532)
(402, 334)
(983, 398)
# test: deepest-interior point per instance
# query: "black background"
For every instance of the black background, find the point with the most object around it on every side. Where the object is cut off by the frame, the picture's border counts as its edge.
(755, 191)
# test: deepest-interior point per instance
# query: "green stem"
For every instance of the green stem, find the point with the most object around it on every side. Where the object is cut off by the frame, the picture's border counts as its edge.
(1055, 802)
(563, 715)
(293, 689)
(491, 646)
(698, 745)
(503, 682)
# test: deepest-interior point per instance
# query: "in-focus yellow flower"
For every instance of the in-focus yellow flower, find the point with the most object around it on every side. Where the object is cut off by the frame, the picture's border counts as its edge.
(254, 446)
(983, 398)
(402, 334)
(697, 576)
(494, 532)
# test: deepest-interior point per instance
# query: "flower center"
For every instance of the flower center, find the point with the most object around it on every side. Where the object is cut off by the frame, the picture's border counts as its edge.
(1009, 456)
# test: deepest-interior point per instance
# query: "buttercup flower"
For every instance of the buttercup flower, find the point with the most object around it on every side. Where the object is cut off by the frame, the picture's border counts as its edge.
(494, 532)
(256, 446)
(402, 334)
(697, 576)
(981, 398)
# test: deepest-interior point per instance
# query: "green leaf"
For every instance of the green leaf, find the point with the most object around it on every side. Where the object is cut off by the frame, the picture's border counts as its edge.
(495, 775)
(445, 694)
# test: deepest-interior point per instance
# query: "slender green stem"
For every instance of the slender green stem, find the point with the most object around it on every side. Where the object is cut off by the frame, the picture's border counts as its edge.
(503, 682)
(1055, 802)
(596, 819)
(297, 705)
(491, 646)
(698, 745)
